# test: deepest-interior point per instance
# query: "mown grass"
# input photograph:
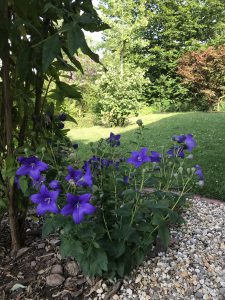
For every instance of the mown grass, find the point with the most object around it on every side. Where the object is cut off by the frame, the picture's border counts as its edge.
(207, 128)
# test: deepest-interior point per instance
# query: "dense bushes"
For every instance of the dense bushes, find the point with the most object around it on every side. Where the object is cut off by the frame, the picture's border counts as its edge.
(119, 96)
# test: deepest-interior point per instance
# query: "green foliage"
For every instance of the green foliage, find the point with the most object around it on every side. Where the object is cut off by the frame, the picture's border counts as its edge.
(119, 96)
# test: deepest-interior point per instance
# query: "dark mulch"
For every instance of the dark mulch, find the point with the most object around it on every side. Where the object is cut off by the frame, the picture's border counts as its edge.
(26, 275)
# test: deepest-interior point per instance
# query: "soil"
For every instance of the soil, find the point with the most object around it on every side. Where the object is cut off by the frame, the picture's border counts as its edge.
(38, 271)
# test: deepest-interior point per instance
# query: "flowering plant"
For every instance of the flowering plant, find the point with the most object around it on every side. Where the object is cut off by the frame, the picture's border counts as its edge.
(110, 209)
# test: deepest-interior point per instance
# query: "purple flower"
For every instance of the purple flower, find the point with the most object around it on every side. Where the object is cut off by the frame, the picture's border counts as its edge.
(78, 206)
(126, 179)
(17, 182)
(199, 172)
(155, 157)
(139, 157)
(46, 200)
(32, 167)
(75, 146)
(176, 151)
(62, 117)
(179, 138)
(36, 183)
(61, 125)
(190, 142)
(78, 178)
(55, 185)
(114, 139)
(187, 139)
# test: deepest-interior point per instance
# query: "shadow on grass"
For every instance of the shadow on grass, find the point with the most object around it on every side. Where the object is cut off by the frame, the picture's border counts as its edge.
(207, 128)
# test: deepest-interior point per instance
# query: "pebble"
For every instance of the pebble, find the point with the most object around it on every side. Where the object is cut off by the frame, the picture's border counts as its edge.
(57, 269)
(191, 269)
(54, 280)
(72, 268)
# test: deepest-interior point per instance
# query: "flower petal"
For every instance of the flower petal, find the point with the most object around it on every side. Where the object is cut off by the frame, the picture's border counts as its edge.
(67, 210)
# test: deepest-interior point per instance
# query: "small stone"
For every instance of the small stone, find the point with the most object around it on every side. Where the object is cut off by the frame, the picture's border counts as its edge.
(116, 297)
(54, 242)
(138, 279)
(33, 264)
(41, 246)
(57, 269)
(70, 284)
(22, 251)
(222, 291)
(72, 268)
(199, 295)
(129, 291)
(99, 291)
(54, 280)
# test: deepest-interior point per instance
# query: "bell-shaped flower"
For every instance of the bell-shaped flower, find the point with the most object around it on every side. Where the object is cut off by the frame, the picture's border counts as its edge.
(78, 207)
(176, 152)
(45, 200)
(31, 166)
(155, 157)
(139, 157)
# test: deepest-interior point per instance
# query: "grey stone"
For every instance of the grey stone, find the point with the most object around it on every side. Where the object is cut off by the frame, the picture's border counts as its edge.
(54, 280)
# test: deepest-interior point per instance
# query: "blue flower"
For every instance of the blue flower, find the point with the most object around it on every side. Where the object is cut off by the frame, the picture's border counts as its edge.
(62, 117)
(78, 178)
(31, 166)
(75, 146)
(176, 152)
(114, 139)
(155, 157)
(199, 172)
(55, 185)
(36, 183)
(46, 200)
(61, 125)
(187, 139)
(78, 206)
(17, 182)
(139, 157)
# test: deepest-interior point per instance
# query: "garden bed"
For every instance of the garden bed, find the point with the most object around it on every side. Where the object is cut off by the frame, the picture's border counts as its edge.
(192, 268)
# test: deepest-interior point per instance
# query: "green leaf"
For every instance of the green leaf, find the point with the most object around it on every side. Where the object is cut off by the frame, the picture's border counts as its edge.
(164, 234)
(51, 49)
(52, 224)
(23, 182)
(91, 22)
(69, 91)
(75, 38)
(71, 247)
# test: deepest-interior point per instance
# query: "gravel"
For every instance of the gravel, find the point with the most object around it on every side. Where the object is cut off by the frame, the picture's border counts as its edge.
(193, 267)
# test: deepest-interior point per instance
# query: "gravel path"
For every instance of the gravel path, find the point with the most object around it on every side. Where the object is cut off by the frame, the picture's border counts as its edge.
(194, 265)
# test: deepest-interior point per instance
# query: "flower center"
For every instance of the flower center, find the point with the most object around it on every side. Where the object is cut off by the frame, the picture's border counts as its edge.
(72, 181)
(48, 200)
(139, 158)
(32, 165)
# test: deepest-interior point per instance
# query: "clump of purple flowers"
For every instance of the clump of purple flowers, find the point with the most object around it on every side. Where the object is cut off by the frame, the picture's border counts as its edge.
(78, 177)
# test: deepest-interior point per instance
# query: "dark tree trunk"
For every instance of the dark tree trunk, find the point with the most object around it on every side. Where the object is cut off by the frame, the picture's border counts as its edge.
(7, 102)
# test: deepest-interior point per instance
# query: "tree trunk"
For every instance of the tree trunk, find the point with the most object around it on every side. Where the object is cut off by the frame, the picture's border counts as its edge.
(7, 102)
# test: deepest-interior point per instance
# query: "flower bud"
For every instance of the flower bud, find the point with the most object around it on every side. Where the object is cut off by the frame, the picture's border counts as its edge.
(175, 175)
(190, 156)
(193, 169)
(201, 183)
(188, 171)
(43, 149)
(180, 170)
(139, 122)
(26, 150)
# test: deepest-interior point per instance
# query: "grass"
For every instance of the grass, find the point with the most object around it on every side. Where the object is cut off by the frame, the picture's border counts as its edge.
(207, 128)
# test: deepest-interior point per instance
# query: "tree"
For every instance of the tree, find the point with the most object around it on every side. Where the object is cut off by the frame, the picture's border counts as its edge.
(203, 71)
(35, 37)
(175, 27)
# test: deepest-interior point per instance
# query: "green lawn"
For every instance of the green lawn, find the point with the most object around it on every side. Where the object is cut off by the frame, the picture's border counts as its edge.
(207, 128)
